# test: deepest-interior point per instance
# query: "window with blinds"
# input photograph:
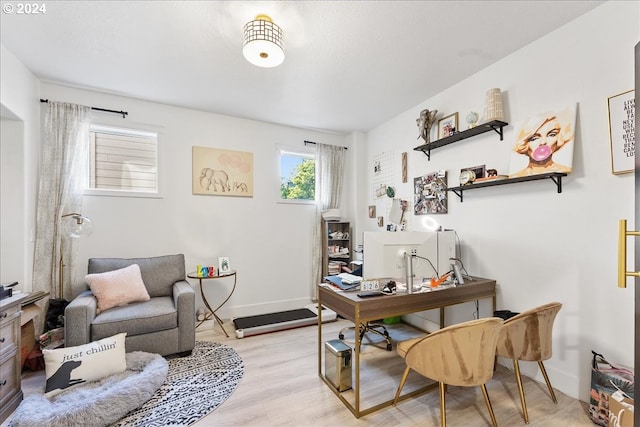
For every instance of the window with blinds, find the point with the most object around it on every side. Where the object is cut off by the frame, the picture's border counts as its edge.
(123, 160)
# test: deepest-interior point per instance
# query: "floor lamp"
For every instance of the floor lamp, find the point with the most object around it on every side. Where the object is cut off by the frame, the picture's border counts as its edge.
(73, 225)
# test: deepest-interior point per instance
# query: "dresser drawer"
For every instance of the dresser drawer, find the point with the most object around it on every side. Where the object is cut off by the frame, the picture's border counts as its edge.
(7, 314)
(9, 335)
(9, 378)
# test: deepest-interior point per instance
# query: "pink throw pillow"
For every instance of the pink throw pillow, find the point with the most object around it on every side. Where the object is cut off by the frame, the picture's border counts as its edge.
(118, 287)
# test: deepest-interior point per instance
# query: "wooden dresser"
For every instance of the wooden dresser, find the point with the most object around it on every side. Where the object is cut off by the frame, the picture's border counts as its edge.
(10, 366)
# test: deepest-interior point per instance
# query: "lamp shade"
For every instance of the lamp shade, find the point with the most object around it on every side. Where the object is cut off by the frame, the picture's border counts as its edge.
(263, 42)
(77, 225)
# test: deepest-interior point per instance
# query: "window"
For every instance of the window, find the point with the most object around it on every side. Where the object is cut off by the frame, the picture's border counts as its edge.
(123, 161)
(297, 175)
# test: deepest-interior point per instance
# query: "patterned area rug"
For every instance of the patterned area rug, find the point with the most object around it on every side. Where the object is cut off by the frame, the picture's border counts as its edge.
(195, 386)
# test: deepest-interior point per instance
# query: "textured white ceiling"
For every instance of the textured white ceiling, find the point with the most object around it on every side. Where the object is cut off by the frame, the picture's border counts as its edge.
(349, 66)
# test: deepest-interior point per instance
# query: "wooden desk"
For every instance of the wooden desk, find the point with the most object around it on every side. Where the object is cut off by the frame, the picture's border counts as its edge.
(361, 310)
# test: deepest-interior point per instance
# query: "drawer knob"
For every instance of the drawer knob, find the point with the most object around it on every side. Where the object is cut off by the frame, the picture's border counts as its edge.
(3, 315)
(2, 340)
(4, 382)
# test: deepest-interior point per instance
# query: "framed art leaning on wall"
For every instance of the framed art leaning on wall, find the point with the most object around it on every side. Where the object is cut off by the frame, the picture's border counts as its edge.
(622, 131)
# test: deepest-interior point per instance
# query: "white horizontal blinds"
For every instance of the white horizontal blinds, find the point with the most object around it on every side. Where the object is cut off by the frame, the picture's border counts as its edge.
(124, 160)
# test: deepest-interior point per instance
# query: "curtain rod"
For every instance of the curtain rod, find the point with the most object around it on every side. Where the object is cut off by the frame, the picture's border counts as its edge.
(314, 143)
(124, 113)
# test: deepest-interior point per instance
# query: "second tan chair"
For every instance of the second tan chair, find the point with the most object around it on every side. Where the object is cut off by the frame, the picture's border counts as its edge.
(459, 355)
(527, 336)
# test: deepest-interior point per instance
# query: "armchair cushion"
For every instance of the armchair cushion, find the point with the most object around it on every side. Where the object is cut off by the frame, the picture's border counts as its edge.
(118, 287)
(157, 314)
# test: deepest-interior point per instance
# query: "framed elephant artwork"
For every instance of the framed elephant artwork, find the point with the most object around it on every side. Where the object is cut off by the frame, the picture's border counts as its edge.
(218, 172)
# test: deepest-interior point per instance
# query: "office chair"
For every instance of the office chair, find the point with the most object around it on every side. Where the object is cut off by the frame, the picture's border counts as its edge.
(372, 327)
(459, 355)
(527, 336)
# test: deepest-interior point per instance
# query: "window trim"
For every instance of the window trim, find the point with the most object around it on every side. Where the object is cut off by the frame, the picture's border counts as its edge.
(118, 130)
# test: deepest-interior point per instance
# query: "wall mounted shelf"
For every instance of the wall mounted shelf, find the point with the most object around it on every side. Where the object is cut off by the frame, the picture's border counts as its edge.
(556, 177)
(494, 125)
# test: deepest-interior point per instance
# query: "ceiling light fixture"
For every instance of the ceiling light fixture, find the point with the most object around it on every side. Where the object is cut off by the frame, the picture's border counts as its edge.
(263, 42)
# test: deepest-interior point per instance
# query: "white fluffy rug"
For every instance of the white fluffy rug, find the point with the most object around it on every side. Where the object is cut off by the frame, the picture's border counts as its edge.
(98, 403)
(195, 385)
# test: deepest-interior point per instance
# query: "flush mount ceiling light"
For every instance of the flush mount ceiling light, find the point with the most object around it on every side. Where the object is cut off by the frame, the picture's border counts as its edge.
(263, 42)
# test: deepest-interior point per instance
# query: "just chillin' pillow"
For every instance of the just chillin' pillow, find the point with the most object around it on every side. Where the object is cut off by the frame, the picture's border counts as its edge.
(70, 366)
(117, 287)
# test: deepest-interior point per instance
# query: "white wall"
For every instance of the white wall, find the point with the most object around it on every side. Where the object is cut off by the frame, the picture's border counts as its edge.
(268, 243)
(540, 246)
(19, 142)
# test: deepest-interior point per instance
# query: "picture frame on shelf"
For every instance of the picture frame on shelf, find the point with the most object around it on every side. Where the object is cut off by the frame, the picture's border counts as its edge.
(448, 125)
(621, 109)
(224, 266)
(479, 171)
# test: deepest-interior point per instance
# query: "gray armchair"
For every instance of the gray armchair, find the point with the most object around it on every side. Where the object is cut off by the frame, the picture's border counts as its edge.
(165, 324)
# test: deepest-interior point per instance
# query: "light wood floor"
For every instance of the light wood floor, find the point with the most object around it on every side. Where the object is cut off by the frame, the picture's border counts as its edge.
(281, 387)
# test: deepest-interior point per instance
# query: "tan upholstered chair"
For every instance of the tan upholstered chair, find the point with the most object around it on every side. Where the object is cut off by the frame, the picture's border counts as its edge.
(459, 355)
(527, 336)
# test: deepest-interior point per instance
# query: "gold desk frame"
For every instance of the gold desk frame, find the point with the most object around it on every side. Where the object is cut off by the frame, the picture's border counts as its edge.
(361, 310)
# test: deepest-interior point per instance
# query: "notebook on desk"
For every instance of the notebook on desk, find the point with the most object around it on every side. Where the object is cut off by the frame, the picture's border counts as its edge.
(342, 284)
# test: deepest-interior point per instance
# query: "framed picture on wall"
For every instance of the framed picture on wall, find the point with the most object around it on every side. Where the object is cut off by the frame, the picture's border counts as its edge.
(622, 131)
(543, 142)
(430, 193)
(220, 172)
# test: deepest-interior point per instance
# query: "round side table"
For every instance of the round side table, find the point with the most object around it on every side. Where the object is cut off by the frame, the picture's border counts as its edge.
(212, 311)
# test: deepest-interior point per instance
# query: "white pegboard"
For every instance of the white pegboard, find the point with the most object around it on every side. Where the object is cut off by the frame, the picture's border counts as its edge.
(382, 174)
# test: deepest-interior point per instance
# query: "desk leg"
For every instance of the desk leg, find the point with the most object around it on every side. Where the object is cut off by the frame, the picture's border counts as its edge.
(319, 336)
(357, 353)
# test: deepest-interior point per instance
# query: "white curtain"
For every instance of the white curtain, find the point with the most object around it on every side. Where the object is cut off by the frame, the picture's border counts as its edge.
(329, 177)
(63, 166)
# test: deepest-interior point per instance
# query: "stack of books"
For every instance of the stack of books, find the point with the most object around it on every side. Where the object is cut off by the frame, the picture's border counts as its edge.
(334, 268)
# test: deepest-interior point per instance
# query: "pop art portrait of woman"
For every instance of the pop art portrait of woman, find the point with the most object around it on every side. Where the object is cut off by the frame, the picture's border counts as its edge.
(544, 143)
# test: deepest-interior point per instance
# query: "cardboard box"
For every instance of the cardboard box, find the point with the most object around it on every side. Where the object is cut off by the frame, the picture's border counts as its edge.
(620, 415)
(27, 340)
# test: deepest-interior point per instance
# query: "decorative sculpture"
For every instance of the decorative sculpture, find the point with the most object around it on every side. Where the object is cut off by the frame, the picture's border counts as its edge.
(425, 121)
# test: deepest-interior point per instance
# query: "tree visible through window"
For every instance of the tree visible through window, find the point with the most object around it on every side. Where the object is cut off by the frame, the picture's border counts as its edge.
(297, 176)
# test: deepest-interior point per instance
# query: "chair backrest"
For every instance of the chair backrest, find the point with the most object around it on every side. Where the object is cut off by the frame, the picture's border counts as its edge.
(528, 335)
(158, 273)
(460, 355)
